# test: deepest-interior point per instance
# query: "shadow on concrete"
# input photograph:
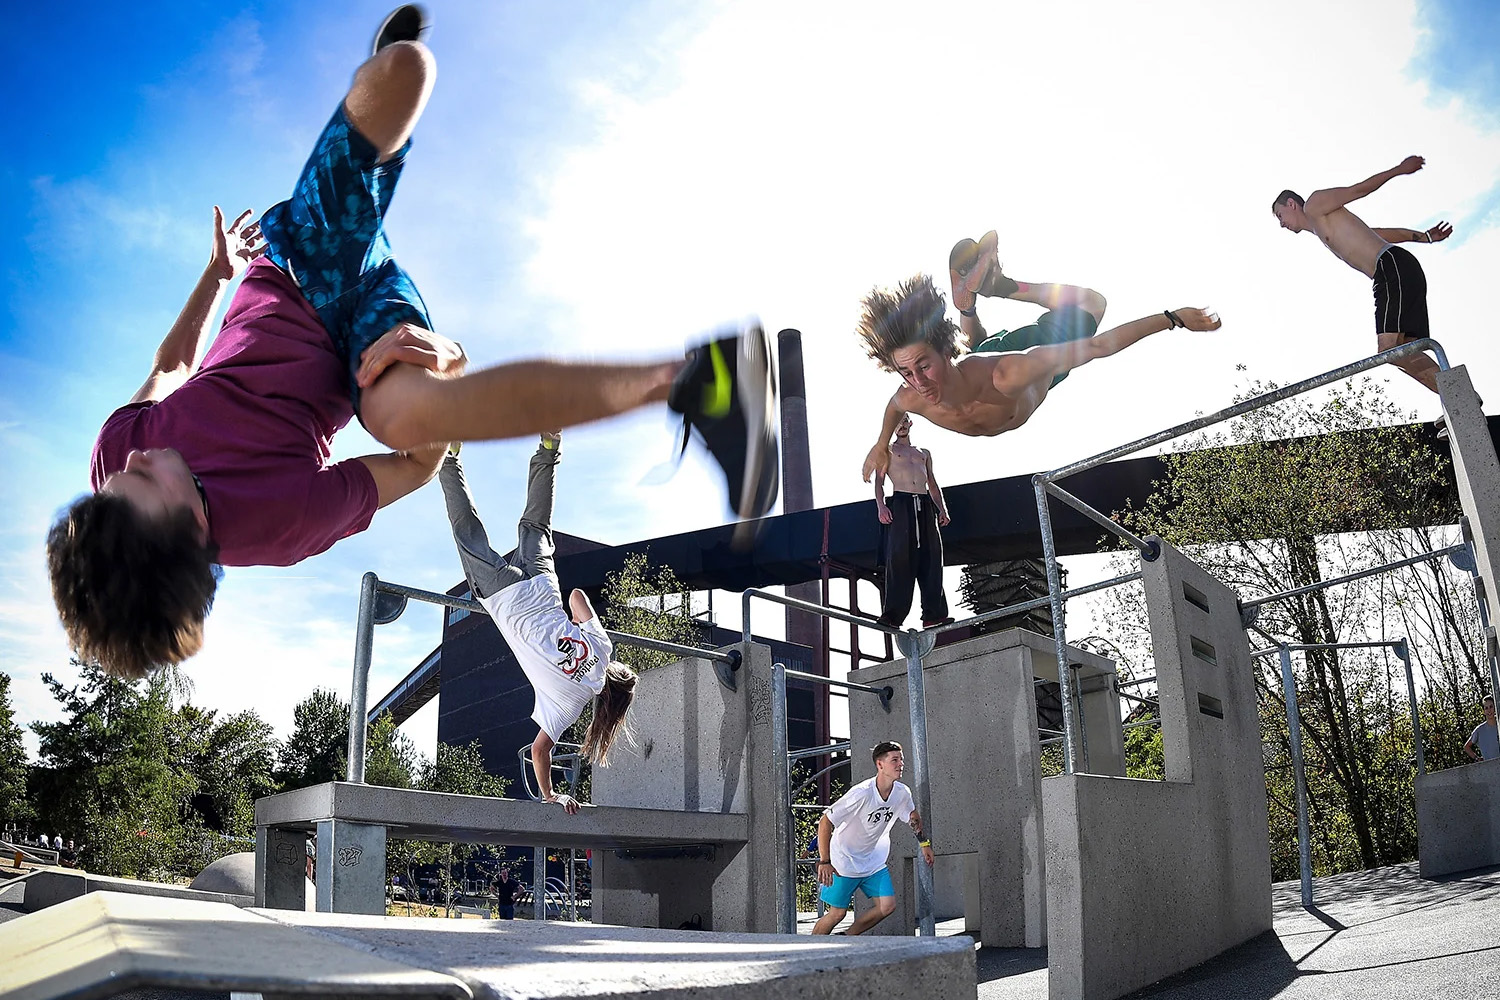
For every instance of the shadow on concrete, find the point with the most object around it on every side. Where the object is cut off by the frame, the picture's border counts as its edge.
(999, 963)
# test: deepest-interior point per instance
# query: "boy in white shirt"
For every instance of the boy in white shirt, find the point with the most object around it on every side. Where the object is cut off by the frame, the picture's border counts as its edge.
(854, 841)
(564, 651)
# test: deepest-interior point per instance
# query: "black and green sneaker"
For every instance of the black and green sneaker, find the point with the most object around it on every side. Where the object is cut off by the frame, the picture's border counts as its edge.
(727, 393)
(404, 24)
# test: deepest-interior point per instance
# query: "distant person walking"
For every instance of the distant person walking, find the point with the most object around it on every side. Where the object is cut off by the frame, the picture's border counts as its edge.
(506, 888)
(1486, 738)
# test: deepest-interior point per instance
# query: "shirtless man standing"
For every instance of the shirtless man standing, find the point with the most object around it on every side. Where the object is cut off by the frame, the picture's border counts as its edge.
(913, 545)
(1400, 285)
(1001, 381)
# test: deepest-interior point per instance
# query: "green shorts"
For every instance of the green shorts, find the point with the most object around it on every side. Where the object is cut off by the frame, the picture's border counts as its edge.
(1055, 326)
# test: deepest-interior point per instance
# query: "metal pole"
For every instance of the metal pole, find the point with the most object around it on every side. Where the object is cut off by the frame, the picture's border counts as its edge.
(1036, 602)
(1416, 717)
(1350, 577)
(572, 885)
(786, 886)
(1059, 627)
(359, 694)
(1149, 550)
(1294, 735)
(915, 645)
(538, 883)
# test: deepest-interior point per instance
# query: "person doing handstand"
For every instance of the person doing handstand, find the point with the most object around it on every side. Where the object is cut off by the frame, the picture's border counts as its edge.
(988, 385)
(563, 650)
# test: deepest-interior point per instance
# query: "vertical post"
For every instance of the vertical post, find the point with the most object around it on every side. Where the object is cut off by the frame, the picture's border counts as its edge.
(786, 886)
(1481, 598)
(573, 881)
(359, 695)
(1059, 626)
(914, 645)
(1294, 734)
(1416, 718)
(538, 883)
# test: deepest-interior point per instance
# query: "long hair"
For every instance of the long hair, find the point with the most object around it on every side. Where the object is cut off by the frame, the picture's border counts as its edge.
(913, 312)
(610, 706)
(132, 592)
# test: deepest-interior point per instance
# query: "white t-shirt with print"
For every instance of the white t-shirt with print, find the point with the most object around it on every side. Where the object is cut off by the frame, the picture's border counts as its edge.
(564, 662)
(862, 821)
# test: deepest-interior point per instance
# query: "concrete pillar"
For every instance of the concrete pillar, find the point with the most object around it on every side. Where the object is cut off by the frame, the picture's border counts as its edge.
(1147, 878)
(700, 748)
(986, 820)
(351, 867)
(280, 868)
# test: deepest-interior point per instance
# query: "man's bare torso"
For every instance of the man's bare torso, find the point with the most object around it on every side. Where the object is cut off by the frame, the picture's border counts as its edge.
(972, 405)
(908, 469)
(1351, 241)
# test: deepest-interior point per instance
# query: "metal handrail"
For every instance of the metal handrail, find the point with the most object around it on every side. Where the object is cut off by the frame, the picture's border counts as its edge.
(883, 693)
(837, 746)
(1351, 577)
(573, 756)
(1149, 550)
(817, 609)
(1036, 602)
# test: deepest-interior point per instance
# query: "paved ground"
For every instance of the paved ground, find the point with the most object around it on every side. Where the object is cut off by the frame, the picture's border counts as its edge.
(1383, 933)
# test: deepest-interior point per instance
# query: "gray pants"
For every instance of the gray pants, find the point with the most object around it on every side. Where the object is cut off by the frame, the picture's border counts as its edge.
(488, 572)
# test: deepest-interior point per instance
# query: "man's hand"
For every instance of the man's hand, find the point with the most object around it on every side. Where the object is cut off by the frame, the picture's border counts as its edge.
(1201, 320)
(414, 345)
(927, 854)
(878, 460)
(884, 513)
(234, 247)
(825, 873)
(1439, 232)
(1410, 165)
(943, 519)
(569, 804)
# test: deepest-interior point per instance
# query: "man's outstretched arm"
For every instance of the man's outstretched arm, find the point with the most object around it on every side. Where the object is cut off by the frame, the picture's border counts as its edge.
(233, 248)
(1325, 201)
(398, 473)
(1014, 372)
(1436, 234)
(879, 459)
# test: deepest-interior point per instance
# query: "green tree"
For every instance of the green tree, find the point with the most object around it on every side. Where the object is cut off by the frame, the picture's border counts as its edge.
(648, 601)
(14, 767)
(317, 750)
(391, 758)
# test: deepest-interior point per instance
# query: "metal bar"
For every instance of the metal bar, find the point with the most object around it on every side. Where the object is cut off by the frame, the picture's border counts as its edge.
(359, 694)
(829, 681)
(1136, 697)
(1136, 683)
(538, 883)
(1285, 392)
(914, 645)
(807, 805)
(1350, 577)
(1037, 602)
(1294, 737)
(837, 747)
(1148, 550)
(1304, 647)
(817, 609)
(786, 888)
(819, 774)
(1142, 722)
(1059, 608)
(1404, 654)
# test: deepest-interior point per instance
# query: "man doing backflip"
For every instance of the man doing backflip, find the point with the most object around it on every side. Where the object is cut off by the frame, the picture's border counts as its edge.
(1400, 284)
(854, 842)
(564, 651)
(229, 464)
(990, 384)
(913, 543)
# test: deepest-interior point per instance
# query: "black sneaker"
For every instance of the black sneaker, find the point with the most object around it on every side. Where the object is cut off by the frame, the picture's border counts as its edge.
(727, 392)
(404, 24)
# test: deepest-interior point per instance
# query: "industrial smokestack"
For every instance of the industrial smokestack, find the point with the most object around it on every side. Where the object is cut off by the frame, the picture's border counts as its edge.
(802, 627)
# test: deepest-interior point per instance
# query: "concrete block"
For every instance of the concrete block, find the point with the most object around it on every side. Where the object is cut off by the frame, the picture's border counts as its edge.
(1458, 819)
(351, 867)
(1146, 878)
(49, 888)
(281, 868)
(1476, 468)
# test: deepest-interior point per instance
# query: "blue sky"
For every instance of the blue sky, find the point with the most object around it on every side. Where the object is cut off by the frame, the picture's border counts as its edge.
(605, 179)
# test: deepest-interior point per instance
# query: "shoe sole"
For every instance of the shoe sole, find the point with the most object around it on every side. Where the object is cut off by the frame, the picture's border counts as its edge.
(755, 378)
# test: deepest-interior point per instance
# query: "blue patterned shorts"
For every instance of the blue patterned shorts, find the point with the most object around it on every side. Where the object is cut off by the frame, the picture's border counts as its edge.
(330, 237)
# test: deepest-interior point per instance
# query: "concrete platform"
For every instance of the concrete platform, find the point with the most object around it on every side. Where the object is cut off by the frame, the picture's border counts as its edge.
(474, 819)
(105, 943)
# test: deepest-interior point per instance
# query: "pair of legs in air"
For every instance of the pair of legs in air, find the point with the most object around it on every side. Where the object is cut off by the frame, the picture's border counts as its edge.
(487, 571)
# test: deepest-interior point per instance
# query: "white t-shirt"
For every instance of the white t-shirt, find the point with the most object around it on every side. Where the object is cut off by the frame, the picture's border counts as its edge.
(564, 662)
(862, 827)
(1487, 740)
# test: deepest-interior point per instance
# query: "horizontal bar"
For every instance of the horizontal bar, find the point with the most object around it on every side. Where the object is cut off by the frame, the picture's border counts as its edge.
(1137, 683)
(1037, 602)
(1143, 722)
(1351, 577)
(1285, 392)
(623, 638)
(882, 692)
(1104, 521)
(817, 609)
(805, 805)
(818, 774)
(1328, 645)
(835, 747)
(1136, 697)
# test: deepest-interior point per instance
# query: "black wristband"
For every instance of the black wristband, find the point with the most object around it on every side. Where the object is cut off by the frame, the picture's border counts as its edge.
(1173, 319)
(970, 312)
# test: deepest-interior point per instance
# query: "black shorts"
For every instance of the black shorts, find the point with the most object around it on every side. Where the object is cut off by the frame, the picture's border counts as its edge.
(1400, 294)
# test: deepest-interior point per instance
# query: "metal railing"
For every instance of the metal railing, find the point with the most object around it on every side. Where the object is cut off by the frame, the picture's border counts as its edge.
(1043, 487)
(371, 613)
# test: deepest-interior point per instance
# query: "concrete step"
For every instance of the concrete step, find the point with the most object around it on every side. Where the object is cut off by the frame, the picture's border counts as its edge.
(104, 943)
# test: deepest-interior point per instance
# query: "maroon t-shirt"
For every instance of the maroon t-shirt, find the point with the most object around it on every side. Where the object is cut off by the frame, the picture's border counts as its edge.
(256, 424)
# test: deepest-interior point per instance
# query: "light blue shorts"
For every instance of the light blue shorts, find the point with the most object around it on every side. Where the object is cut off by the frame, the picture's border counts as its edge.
(841, 893)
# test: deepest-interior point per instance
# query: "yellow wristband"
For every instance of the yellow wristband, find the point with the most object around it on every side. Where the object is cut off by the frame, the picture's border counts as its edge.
(925, 843)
